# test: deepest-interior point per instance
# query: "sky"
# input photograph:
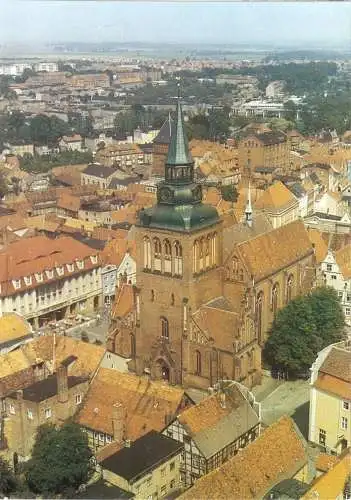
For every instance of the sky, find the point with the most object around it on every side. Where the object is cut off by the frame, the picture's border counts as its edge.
(28, 21)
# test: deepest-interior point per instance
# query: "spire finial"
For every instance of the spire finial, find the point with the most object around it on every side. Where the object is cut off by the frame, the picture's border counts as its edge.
(248, 210)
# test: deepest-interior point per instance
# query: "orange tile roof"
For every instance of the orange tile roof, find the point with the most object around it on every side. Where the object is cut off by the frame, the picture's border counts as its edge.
(114, 251)
(270, 252)
(331, 484)
(320, 246)
(275, 197)
(337, 364)
(126, 214)
(147, 403)
(89, 356)
(38, 255)
(68, 202)
(343, 260)
(278, 454)
(124, 302)
(210, 411)
(325, 462)
(333, 385)
(208, 318)
(13, 327)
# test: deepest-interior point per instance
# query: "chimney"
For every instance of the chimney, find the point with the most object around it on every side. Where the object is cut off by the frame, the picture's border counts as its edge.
(119, 422)
(62, 383)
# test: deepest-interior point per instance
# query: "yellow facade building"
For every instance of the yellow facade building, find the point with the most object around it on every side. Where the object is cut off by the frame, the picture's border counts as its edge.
(330, 401)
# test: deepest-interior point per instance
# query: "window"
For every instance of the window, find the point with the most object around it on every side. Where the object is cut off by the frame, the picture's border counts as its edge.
(169, 433)
(348, 311)
(48, 413)
(147, 253)
(152, 296)
(333, 276)
(50, 274)
(163, 472)
(80, 264)
(39, 277)
(197, 362)
(28, 280)
(93, 259)
(172, 484)
(108, 439)
(12, 409)
(70, 268)
(60, 270)
(345, 405)
(322, 437)
(168, 257)
(172, 466)
(78, 399)
(289, 288)
(329, 267)
(344, 423)
(275, 298)
(16, 284)
(172, 299)
(178, 260)
(30, 414)
(164, 328)
(259, 315)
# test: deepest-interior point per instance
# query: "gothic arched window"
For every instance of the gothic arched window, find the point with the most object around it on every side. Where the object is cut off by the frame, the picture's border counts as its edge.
(147, 253)
(207, 243)
(275, 298)
(259, 315)
(197, 363)
(214, 249)
(289, 288)
(201, 254)
(195, 256)
(164, 328)
(168, 257)
(178, 259)
(157, 254)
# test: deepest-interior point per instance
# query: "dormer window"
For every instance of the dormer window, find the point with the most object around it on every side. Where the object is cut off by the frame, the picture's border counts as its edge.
(28, 280)
(16, 284)
(70, 268)
(39, 277)
(60, 270)
(80, 264)
(93, 259)
(50, 274)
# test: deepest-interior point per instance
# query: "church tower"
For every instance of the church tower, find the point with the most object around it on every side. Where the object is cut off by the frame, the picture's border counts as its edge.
(179, 258)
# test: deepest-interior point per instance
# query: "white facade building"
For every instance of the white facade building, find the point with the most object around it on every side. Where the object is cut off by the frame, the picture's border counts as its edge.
(336, 273)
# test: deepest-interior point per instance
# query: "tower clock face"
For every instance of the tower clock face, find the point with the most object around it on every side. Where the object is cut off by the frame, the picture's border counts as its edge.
(165, 194)
(197, 193)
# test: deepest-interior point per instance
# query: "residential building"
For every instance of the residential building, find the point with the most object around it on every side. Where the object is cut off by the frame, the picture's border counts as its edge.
(97, 175)
(275, 90)
(90, 81)
(280, 205)
(21, 148)
(14, 331)
(126, 156)
(329, 203)
(215, 429)
(51, 400)
(335, 271)
(330, 398)
(121, 401)
(267, 149)
(279, 453)
(335, 483)
(149, 467)
(119, 267)
(71, 143)
(45, 279)
(46, 66)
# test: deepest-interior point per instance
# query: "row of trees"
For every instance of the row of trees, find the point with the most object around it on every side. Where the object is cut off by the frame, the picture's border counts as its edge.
(61, 462)
(44, 163)
(302, 328)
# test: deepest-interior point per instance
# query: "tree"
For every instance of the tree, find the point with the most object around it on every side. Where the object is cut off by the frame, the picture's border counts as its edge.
(61, 459)
(8, 483)
(302, 328)
(328, 314)
(3, 184)
(229, 193)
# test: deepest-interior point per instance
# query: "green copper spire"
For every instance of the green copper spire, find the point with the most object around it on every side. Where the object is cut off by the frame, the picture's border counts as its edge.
(178, 151)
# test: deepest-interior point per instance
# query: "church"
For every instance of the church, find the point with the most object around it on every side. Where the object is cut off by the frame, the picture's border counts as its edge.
(207, 287)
